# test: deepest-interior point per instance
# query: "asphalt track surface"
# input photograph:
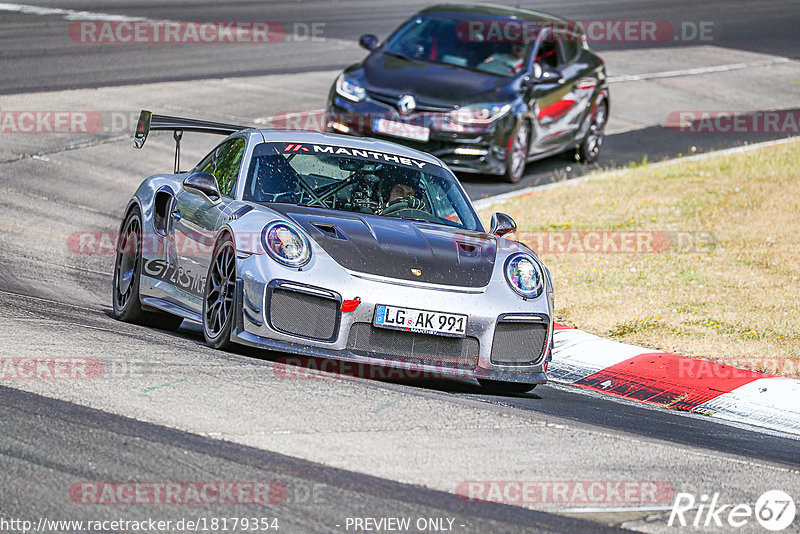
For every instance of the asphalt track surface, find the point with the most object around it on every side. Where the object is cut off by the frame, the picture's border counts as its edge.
(46, 444)
(38, 55)
(56, 440)
(52, 61)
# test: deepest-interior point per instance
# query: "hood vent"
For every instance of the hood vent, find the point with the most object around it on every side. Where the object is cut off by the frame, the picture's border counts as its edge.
(329, 230)
(468, 249)
(396, 248)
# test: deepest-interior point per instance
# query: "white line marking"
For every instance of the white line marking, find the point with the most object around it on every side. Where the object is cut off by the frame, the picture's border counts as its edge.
(68, 14)
(697, 71)
(726, 151)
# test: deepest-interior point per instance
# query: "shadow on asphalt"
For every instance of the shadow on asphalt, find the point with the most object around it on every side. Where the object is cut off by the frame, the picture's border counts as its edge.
(317, 368)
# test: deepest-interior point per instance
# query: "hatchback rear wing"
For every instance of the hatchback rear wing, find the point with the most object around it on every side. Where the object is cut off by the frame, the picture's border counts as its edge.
(178, 125)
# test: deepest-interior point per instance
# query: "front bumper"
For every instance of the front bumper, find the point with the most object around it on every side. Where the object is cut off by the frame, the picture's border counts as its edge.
(485, 307)
(487, 146)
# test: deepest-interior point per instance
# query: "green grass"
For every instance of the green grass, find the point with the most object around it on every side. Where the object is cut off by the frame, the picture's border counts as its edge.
(732, 298)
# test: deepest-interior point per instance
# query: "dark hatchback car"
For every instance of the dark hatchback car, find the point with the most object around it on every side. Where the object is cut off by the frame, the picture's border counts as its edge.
(486, 89)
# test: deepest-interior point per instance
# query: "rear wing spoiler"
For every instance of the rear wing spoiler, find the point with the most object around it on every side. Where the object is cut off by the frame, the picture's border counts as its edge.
(177, 125)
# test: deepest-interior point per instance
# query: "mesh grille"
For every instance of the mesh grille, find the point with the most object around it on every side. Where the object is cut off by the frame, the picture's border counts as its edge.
(518, 343)
(303, 315)
(368, 340)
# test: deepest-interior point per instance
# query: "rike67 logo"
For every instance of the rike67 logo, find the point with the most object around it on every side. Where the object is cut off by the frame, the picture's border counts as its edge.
(774, 511)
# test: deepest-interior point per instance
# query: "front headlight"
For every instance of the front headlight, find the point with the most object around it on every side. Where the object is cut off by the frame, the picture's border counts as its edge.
(524, 275)
(286, 244)
(478, 114)
(349, 89)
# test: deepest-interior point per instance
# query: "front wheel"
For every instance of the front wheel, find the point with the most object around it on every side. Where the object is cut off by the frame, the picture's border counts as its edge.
(496, 387)
(218, 301)
(589, 150)
(517, 156)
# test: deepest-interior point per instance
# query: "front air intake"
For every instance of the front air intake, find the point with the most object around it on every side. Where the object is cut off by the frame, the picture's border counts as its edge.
(519, 343)
(303, 314)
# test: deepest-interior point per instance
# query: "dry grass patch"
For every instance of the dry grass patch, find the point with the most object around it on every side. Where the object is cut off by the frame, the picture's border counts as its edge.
(734, 300)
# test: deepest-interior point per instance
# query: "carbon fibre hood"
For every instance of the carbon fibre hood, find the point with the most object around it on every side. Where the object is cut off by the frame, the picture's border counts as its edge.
(399, 248)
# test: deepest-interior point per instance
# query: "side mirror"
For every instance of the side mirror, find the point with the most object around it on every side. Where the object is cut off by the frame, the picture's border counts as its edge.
(502, 224)
(368, 41)
(527, 83)
(203, 184)
(545, 74)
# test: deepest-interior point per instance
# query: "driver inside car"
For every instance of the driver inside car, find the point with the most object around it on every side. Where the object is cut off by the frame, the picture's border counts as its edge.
(405, 195)
(510, 61)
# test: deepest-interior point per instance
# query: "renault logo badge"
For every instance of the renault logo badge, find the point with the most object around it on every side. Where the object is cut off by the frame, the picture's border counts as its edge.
(406, 104)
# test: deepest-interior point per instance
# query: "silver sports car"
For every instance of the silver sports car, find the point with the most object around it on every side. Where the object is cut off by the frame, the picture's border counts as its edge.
(335, 247)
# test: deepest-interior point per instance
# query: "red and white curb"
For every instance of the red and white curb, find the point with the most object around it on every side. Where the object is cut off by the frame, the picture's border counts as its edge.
(676, 382)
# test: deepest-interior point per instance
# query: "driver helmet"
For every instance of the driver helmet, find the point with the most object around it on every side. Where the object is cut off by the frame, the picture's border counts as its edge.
(401, 186)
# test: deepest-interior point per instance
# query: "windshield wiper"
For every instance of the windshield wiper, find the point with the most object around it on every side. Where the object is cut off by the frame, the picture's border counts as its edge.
(443, 222)
(412, 219)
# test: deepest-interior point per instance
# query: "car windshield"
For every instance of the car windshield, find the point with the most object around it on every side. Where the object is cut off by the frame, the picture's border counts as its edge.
(484, 45)
(361, 181)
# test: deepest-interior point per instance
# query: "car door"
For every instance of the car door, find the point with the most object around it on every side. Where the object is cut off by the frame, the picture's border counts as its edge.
(197, 220)
(553, 100)
(580, 84)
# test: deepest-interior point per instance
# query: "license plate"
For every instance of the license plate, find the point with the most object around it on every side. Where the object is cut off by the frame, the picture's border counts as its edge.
(420, 321)
(402, 129)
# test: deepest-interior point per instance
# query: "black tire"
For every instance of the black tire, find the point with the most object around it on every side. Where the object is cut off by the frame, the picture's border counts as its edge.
(218, 295)
(496, 387)
(126, 305)
(589, 149)
(517, 157)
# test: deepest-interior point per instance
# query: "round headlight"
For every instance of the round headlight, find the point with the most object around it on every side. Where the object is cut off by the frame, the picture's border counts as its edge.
(524, 275)
(286, 244)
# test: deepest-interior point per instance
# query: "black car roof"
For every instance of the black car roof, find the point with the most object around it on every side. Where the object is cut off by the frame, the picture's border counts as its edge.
(498, 12)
